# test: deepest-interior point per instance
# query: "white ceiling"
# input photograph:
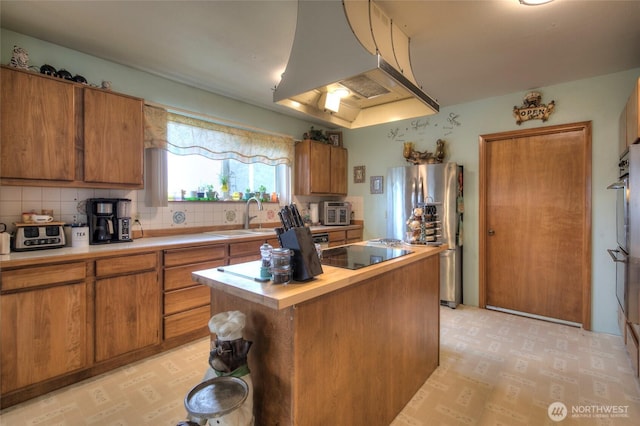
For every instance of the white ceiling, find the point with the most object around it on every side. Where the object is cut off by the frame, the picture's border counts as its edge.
(460, 50)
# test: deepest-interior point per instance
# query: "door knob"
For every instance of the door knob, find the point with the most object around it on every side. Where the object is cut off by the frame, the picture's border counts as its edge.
(492, 232)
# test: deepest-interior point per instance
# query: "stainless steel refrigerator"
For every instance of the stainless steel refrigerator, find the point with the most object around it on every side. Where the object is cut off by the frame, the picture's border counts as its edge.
(441, 184)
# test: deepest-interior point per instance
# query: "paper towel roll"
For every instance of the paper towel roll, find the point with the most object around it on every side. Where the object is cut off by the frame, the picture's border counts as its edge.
(313, 212)
(5, 243)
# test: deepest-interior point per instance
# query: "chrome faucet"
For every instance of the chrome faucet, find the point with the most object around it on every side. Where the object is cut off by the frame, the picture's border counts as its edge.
(248, 218)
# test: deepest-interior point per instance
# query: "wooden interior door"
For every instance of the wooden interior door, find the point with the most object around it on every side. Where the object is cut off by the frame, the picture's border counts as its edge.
(535, 222)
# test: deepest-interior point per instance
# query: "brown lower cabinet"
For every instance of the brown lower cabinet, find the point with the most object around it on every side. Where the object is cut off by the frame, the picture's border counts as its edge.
(127, 305)
(186, 308)
(65, 321)
(247, 251)
(630, 333)
(341, 237)
(45, 323)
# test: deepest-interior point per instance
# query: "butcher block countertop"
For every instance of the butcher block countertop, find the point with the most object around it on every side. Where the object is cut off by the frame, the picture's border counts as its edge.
(280, 296)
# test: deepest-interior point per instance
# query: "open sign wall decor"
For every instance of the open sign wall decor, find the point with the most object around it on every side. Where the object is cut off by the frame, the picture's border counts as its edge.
(533, 108)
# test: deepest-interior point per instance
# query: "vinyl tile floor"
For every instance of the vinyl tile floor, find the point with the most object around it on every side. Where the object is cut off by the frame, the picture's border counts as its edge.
(495, 369)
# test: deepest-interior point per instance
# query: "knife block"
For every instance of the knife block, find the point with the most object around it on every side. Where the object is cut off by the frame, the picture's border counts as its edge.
(305, 262)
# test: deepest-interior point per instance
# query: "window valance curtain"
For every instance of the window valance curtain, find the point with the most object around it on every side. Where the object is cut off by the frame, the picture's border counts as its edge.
(183, 135)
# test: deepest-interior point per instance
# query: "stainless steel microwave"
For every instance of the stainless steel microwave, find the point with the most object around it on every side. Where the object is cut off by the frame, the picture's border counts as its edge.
(335, 213)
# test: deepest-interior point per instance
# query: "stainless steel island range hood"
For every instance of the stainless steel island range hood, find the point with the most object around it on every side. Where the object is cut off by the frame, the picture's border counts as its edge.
(350, 67)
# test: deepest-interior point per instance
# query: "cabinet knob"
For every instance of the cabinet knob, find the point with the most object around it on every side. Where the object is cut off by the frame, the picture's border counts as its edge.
(492, 232)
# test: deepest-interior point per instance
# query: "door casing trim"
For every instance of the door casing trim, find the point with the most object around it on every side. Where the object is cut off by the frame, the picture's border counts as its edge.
(584, 126)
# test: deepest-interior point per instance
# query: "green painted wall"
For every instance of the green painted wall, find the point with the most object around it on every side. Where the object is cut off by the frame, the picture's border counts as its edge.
(599, 100)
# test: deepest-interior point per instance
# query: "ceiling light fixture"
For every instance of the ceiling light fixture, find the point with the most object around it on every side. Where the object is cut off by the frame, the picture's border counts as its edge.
(534, 2)
(332, 103)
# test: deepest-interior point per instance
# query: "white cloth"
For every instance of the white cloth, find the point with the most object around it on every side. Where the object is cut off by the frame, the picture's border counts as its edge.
(227, 325)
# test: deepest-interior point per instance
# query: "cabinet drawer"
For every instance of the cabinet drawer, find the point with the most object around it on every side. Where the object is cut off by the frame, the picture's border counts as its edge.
(43, 275)
(126, 264)
(250, 247)
(337, 236)
(354, 234)
(194, 255)
(243, 259)
(180, 276)
(632, 349)
(186, 298)
(187, 322)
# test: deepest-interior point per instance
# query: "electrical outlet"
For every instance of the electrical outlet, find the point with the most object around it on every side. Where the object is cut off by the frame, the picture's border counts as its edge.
(136, 217)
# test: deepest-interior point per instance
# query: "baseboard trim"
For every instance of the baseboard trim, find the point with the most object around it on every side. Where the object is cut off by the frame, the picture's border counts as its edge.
(534, 316)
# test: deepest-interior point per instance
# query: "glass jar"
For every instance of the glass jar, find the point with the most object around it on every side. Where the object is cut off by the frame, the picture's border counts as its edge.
(280, 265)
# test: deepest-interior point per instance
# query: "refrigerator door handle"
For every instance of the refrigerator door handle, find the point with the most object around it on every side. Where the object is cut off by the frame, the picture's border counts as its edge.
(414, 194)
(420, 191)
(613, 253)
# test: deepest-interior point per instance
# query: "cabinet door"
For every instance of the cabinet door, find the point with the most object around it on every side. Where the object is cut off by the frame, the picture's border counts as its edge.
(354, 235)
(338, 170)
(38, 127)
(622, 131)
(127, 314)
(633, 121)
(113, 138)
(44, 334)
(319, 168)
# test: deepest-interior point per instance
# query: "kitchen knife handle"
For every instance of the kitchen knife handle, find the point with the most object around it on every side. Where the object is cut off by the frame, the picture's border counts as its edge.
(284, 225)
(285, 219)
(296, 214)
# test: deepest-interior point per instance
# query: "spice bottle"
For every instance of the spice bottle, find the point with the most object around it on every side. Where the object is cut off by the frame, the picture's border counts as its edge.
(265, 253)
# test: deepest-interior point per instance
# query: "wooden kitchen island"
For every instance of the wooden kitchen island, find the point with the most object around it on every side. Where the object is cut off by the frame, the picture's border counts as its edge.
(347, 348)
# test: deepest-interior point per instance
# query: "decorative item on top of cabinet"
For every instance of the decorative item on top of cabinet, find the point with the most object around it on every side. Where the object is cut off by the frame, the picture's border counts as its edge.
(334, 138)
(320, 169)
(73, 135)
(19, 58)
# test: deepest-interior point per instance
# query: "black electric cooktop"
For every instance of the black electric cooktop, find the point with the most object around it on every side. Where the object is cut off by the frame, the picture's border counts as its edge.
(356, 256)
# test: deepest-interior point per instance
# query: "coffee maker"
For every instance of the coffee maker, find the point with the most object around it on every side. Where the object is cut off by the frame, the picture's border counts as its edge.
(109, 220)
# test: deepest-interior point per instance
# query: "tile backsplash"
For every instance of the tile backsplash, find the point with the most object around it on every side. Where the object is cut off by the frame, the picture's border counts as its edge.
(68, 205)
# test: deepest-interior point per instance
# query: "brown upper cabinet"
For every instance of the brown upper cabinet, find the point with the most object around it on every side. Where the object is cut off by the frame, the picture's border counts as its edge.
(60, 133)
(320, 169)
(630, 120)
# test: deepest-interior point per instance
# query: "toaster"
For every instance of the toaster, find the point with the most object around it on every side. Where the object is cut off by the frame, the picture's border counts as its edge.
(38, 236)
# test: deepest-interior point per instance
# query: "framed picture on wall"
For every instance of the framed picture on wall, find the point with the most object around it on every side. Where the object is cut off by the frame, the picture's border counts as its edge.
(377, 185)
(358, 174)
(335, 138)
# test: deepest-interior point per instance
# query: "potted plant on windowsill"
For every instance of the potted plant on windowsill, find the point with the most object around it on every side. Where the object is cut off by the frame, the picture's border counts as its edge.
(224, 186)
(263, 193)
(211, 194)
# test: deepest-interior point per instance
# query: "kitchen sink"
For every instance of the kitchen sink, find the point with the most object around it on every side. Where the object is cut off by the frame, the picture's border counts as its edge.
(230, 233)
